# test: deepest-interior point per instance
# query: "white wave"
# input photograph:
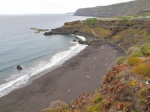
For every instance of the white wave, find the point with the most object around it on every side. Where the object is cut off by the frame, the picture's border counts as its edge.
(56, 60)
(81, 37)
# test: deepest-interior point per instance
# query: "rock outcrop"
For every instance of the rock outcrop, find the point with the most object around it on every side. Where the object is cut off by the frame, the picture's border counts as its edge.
(56, 105)
(67, 28)
(19, 67)
(123, 32)
(39, 30)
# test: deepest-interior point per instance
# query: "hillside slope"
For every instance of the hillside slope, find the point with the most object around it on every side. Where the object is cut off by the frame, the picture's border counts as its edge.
(128, 8)
(126, 85)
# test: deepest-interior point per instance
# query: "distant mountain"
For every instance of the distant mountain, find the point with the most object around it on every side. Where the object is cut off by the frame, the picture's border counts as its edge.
(121, 9)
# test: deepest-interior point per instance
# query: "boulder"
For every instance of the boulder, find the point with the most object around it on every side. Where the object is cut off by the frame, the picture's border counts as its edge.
(74, 40)
(83, 42)
(19, 67)
(132, 50)
(57, 104)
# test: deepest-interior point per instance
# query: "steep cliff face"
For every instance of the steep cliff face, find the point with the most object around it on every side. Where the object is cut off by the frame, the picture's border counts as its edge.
(129, 8)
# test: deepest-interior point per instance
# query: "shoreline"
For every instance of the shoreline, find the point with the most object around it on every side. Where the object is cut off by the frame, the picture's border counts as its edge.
(55, 84)
(57, 60)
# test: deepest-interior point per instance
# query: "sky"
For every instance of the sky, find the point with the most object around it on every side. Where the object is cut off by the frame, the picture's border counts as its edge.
(50, 6)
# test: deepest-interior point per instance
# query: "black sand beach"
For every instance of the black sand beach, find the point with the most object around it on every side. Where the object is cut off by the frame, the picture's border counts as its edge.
(81, 73)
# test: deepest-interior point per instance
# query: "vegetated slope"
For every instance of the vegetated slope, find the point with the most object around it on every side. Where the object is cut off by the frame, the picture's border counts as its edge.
(126, 86)
(128, 8)
(122, 32)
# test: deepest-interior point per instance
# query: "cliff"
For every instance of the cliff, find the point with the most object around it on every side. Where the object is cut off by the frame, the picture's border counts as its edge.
(130, 8)
(123, 32)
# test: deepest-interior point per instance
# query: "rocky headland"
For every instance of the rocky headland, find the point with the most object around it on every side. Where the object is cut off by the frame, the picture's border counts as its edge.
(124, 32)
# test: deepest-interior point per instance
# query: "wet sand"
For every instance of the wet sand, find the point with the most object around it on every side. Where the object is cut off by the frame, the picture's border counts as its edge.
(81, 73)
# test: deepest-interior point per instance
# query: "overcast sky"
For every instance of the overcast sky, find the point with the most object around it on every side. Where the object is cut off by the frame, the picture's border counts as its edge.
(49, 6)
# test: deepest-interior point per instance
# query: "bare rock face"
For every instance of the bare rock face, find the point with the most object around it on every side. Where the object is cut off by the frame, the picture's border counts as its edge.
(57, 104)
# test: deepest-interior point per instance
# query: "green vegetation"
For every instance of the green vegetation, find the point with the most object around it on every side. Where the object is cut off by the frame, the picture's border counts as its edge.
(141, 93)
(97, 99)
(86, 29)
(147, 36)
(141, 101)
(120, 60)
(118, 76)
(101, 32)
(125, 18)
(134, 61)
(118, 90)
(136, 54)
(137, 7)
(133, 83)
(90, 21)
(133, 49)
(142, 69)
(145, 48)
(130, 37)
(147, 59)
(95, 108)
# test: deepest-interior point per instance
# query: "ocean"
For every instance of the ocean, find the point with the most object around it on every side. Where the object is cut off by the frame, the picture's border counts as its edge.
(36, 53)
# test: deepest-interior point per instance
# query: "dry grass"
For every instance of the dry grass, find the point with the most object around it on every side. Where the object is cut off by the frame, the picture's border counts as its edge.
(134, 61)
(101, 32)
(142, 69)
(86, 29)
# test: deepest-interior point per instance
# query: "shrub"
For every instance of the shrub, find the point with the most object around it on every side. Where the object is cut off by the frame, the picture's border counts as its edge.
(90, 21)
(101, 32)
(136, 54)
(120, 60)
(97, 99)
(147, 58)
(140, 93)
(145, 48)
(133, 49)
(134, 61)
(125, 20)
(141, 101)
(142, 69)
(95, 108)
(118, 76)
(133, 83)
(130, 23)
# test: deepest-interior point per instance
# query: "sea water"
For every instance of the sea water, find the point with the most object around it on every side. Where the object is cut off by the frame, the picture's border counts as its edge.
(19, 45)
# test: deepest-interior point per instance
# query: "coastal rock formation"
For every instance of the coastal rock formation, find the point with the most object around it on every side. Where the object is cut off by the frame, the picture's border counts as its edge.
(125, 33)
(39, 30)
(67, 28)
(19, 67)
